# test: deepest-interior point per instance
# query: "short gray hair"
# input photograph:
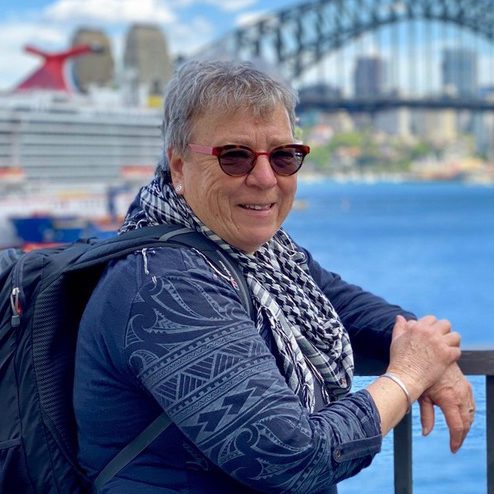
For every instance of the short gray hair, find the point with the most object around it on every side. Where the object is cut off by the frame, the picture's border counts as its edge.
(199, 86)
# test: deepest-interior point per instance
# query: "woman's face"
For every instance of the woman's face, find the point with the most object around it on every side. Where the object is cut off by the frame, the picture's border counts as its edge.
(245, 211)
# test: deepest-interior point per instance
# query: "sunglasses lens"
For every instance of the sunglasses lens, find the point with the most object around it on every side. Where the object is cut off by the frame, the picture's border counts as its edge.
(236, 162)
(287, 160)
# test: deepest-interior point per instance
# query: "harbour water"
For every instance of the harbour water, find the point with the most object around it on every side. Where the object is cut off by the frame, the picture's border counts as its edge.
(430, 248)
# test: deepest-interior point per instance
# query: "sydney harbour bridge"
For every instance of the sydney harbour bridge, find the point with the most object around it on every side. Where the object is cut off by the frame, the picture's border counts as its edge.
(372, 55)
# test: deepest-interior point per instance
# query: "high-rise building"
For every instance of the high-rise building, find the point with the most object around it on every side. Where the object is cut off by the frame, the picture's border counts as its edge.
(96, 68)
(459, 72)
(147, 63)
(369, 76)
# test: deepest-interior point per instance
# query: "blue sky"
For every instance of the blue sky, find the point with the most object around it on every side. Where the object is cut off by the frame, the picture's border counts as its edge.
(49, 24)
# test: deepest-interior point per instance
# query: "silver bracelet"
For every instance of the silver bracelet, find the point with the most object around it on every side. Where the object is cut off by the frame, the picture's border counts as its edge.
(400, 383)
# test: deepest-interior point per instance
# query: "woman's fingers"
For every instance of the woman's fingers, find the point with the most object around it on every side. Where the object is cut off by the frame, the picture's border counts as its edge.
(442, 326)
(453, 338)
(400, 327)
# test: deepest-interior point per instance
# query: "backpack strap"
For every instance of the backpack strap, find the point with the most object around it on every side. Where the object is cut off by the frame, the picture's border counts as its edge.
(176, 235)
(136, 446)
(155, 236)
(224, 262)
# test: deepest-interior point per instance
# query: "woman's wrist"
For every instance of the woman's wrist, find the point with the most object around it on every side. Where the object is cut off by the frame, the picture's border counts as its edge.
(398, 381)
(414, 385)
(390, 400)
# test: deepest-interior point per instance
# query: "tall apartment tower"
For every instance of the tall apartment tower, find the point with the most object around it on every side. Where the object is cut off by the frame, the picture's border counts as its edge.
(96, 68)
(147, 62)
(459, 72)
(369, 76)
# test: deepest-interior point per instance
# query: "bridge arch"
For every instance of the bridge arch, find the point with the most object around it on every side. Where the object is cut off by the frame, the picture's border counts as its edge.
(298, 37)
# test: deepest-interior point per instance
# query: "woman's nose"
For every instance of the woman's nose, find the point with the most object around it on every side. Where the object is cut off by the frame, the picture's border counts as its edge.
(262, 175)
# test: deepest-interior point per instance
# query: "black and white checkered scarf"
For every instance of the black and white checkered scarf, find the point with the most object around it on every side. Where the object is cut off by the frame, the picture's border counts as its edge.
(309, 336)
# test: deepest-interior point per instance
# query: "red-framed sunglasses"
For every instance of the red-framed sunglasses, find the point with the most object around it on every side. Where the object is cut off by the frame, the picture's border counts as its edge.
(240, 160)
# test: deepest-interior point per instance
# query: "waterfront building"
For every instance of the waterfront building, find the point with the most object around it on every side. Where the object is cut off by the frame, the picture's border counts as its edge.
(340, 121)
(483, 131)
(396, 122)
(369, 76)
(437, 126)
(96, 68)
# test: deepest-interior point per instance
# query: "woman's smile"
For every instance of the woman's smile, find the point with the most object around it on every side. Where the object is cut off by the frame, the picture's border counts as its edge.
(258, 207)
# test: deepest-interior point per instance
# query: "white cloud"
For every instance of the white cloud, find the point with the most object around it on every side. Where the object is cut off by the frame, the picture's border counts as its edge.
(109, 11)
(226, 5)
(18, 33)
(185, 39)
(250, 17)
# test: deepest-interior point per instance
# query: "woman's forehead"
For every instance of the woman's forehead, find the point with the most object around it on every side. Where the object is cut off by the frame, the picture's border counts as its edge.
(226, 113)
(249, 105)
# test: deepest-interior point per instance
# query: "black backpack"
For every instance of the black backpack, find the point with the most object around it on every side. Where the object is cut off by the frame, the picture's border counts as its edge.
(42, 296)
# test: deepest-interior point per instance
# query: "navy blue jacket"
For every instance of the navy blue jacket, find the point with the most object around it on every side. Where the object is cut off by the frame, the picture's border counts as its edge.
(164, 331)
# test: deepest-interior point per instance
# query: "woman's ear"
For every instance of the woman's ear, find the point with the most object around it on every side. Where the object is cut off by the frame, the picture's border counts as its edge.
(175, 162)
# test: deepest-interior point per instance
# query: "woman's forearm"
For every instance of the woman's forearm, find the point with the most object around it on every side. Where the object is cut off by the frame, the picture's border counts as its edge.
(391, 401)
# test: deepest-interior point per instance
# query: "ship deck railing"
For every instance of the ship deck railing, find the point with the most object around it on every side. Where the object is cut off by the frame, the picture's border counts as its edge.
(473, 362)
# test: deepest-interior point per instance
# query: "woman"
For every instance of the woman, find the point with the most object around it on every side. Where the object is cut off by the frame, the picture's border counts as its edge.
(260, 405)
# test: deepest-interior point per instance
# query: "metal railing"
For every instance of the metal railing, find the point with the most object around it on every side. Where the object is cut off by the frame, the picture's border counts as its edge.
(472, 363)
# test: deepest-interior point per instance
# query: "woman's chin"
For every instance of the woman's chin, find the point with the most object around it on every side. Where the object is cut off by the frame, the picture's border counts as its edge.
(251, 241)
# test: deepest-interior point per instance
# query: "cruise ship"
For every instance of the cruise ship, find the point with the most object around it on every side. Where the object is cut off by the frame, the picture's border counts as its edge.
(51, 133)
(64, 153)
(52, 138)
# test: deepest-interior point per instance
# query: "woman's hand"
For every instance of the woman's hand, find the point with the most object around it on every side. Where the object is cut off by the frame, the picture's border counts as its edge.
(452, 393)
(421, 351)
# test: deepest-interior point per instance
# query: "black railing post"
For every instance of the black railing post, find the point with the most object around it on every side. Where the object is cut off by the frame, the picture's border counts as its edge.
(489, 418)
(402, 455)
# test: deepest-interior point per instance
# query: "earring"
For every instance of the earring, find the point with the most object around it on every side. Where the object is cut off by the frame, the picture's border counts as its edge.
(179, 188)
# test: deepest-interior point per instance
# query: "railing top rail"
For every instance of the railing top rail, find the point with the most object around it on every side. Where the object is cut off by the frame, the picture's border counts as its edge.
(473, 362)
(477, 362)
